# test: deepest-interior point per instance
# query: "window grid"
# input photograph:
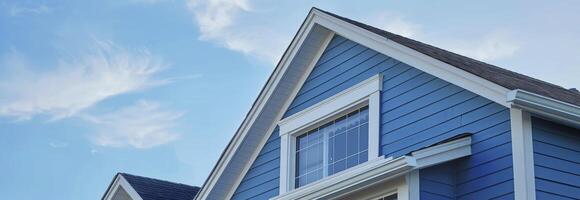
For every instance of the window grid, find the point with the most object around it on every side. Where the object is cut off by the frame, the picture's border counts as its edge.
(332, 147)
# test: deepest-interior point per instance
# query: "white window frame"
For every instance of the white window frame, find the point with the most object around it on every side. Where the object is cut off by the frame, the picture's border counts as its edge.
(366, 93)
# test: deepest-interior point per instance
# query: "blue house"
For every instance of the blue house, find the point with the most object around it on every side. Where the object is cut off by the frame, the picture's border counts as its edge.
(355, 112)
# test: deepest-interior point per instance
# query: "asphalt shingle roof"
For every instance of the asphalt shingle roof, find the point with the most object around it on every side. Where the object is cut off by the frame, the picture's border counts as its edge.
(503, 77)
(154, 189)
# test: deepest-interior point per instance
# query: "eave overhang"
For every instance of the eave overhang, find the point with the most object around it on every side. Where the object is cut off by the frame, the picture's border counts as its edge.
(545, 107)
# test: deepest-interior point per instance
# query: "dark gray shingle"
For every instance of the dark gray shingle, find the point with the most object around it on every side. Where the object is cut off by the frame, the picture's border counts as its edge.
(154, 189)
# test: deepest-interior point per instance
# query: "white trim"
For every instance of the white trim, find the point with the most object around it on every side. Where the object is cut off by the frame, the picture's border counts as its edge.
(523, 154)
(545, 106)
(414, 191)
(374, 123)
(379, 170)
(443, 152)
(364, 93)
(121, 182)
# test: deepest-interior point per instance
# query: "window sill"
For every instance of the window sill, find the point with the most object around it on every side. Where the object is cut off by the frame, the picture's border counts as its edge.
(364, 174)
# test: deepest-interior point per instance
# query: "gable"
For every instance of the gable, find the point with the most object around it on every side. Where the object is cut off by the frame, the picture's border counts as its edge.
(417, 110)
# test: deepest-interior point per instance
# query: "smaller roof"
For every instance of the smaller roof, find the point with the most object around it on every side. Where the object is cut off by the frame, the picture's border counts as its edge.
(155, 189)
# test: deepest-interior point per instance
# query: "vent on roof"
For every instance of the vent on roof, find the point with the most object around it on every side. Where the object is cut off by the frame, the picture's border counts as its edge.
(574, 90)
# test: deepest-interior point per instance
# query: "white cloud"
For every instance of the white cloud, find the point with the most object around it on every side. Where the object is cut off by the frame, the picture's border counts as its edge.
(77, 84)
(218, 21)
(143, 125)
(491, 47)
(394, 23)
(17, 10)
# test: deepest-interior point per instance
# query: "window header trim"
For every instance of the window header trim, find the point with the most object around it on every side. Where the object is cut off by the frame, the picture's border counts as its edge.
(343, 102)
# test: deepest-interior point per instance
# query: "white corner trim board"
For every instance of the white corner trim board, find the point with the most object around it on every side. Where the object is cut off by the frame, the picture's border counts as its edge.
(121, 182)
(364, 93)
(545, 106)
(379, 170)
(523, 154)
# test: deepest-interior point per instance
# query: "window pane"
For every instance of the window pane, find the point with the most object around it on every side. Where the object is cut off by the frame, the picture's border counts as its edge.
(352, 141)
(364, 115)
(301, 164)
(363, 137)
(314, 137)
(363, 157)
(340, 125)
(353, 119)
(300, 181)
(351, 161)
(339, 166)
(346, 143)
(314, 176)
(301, 142)
(339, 146)
(314, 157)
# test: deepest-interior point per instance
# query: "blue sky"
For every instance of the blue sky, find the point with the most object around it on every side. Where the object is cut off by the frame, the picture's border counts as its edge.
(158, 87)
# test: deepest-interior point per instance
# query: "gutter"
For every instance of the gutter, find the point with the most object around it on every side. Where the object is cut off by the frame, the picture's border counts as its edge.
(545, 106)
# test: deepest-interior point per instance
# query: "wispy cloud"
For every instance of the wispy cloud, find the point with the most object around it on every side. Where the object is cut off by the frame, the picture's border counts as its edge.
(394, 23)
(143, 125)
(489, 47)
(77, 84)
(17, 10)
(218, 21)
(492, 46)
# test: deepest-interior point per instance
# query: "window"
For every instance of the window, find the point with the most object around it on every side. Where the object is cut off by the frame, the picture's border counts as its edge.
(332, 147)
(331, 136)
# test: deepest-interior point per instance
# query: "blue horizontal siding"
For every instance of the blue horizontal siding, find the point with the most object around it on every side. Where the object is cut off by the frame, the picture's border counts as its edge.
(438, 182)
(556, 160)
(262, 180)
